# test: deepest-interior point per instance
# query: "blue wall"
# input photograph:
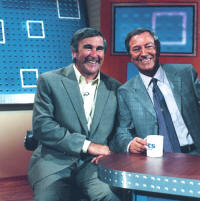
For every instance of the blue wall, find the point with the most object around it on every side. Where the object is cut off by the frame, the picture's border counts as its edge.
(35, 37)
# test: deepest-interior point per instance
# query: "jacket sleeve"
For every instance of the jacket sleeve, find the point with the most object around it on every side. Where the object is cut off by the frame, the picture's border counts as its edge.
(125, 128)
(47, 129)
(196, 85)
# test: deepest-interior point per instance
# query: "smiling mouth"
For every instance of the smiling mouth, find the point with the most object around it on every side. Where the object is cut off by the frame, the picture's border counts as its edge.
(145, 60)
(92, 60)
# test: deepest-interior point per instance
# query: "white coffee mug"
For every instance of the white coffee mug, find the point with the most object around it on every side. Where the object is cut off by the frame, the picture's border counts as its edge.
(154, 145)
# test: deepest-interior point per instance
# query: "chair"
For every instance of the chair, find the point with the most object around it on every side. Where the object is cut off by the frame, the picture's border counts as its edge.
(30, 143)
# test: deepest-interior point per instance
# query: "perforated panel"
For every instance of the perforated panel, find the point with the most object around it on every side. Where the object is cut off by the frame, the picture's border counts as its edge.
(35, 37)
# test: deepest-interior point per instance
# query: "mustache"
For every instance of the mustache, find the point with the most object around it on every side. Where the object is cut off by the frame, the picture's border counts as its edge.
(89, 58)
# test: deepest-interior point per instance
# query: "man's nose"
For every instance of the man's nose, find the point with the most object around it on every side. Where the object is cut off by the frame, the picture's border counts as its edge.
(143, 51)
(93, 52)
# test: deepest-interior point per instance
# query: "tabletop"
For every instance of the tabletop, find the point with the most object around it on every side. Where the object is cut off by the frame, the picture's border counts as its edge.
(174, 173)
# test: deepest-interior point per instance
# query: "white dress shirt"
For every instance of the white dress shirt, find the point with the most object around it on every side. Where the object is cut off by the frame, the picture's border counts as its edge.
(181, 130)
(89, 94)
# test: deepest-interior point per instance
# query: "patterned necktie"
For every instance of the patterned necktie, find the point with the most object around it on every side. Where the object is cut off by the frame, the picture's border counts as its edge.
(166, 127)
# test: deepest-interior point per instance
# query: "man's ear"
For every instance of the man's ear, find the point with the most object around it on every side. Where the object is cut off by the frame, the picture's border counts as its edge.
(74, 54)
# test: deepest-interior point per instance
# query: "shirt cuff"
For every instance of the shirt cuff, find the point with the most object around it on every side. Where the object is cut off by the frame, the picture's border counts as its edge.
(85, 146)
(129, 146)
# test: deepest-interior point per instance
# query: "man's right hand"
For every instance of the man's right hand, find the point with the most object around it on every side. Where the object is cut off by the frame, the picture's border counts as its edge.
(137, 145)
(98, 149)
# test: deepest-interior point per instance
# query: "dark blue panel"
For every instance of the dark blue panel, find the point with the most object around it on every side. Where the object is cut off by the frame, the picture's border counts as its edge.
(174, 26)
(35, 37)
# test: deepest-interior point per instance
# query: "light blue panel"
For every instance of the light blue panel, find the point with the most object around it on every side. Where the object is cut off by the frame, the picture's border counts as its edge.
(137, 197)
(131, 70)
(141, 198)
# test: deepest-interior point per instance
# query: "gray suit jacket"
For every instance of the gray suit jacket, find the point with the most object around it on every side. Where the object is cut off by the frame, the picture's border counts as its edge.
(60, 125)
(137, 116)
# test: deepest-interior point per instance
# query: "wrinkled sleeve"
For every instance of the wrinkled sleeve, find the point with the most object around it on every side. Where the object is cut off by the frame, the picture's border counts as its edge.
(125, 128)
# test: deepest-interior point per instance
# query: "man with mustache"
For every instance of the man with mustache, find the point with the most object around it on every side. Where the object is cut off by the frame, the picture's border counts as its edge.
(73, 118)
(137, 114)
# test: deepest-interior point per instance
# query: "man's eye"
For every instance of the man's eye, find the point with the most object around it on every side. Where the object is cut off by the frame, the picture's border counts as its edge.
(100, 48)
(136, 49)
(87, 46)
(150, 46)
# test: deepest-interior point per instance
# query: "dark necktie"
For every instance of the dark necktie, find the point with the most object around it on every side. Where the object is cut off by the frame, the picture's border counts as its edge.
(166, 127)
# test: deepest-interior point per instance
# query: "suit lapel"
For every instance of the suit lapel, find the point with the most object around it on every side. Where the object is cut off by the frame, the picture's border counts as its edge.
(175, 84)
(73, 91)
(102, 97)
(142, 95)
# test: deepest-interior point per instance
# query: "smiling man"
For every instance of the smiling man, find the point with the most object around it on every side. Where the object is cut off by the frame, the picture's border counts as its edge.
(73, 119)
(161, 100)
(142, 114)
(143, 53)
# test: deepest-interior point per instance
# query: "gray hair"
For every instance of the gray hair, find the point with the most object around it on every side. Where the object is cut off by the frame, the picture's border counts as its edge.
(85, 33)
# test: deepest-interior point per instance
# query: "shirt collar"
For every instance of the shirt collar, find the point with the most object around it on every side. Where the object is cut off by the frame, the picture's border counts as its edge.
(80, 78)
(160, 75)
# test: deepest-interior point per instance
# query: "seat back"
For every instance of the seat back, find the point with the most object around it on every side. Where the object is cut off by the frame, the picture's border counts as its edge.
(30, 143)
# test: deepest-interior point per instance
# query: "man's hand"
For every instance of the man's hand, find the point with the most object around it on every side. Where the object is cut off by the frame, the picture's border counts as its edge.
(98, 150)
(138, 145)
(96, 159)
